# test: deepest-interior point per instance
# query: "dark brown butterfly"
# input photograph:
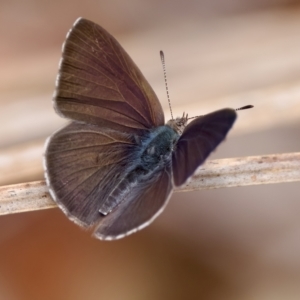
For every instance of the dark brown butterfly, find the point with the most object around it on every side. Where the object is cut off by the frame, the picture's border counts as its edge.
(115, 165)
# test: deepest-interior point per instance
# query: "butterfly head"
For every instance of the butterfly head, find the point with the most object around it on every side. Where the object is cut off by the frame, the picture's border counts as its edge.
(178, 124)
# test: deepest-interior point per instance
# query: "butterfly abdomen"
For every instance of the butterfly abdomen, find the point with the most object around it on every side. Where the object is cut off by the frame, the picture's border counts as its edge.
(152, 155)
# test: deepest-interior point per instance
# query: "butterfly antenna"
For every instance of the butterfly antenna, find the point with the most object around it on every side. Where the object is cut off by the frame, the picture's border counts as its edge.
(240, 108)
(162, 58)
(244, 107)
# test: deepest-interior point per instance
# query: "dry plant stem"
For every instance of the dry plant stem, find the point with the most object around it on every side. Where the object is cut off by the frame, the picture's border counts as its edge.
(243, 171)
(219, 173)
(25, 197)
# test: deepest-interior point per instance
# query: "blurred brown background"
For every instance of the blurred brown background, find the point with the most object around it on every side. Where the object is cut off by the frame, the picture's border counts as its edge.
(235, 243)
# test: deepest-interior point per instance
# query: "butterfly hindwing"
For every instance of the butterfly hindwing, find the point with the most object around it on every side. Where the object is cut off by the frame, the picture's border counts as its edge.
(198, 140)
(84, 163)
(141, 206)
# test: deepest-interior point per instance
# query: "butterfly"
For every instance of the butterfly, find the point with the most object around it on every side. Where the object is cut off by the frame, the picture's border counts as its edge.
(114, 167)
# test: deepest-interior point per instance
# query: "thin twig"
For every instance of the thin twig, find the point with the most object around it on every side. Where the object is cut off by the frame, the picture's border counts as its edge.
(252, 170)
(218, 173)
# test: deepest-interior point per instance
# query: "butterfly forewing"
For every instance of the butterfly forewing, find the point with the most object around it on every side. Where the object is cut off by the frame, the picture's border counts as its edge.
(98, 83)
(198, 140)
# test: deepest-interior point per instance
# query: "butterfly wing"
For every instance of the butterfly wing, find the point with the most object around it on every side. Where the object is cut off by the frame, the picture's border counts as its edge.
(83, 164)
(198, 140)
(144, 203)
(98, 83)
(100, 86)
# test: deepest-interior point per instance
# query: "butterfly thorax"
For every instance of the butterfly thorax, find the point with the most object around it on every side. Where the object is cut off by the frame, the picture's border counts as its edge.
(178, 124)
(157, 148)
